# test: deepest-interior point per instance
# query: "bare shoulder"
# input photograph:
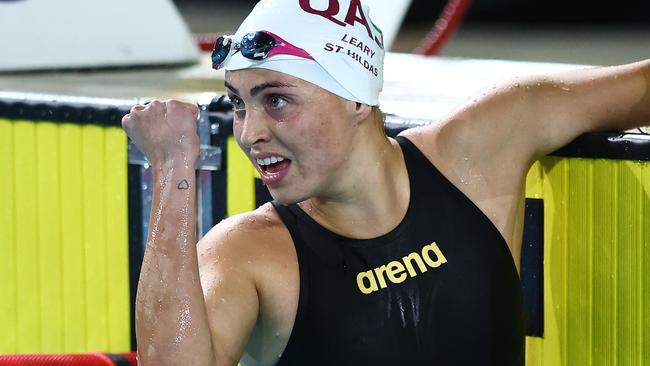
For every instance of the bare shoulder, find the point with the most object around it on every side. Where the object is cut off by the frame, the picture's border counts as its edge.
(243, 227)
(250, 280)
(479, 150)
(488, 130)
(257, 237)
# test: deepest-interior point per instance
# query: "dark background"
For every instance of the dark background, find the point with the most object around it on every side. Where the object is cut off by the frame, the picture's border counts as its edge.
(586, 32)
(538, 12)
(555, 12)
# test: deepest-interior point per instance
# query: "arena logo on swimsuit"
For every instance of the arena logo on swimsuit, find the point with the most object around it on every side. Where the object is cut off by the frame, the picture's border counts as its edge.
(354, 15)
(395, 270)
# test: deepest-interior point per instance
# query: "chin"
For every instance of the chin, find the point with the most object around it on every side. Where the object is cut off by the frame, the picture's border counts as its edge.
(286, 196)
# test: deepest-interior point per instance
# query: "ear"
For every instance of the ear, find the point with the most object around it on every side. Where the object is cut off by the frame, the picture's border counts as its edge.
(360, 112)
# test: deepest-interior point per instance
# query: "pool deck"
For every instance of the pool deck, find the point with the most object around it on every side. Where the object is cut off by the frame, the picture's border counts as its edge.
(415, 87)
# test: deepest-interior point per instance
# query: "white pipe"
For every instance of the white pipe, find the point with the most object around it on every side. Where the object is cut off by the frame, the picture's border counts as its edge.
(57, 34)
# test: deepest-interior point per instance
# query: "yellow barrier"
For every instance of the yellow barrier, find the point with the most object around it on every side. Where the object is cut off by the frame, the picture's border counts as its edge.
(596, 262)
(241, 180)
(63, 238)
(64, 245)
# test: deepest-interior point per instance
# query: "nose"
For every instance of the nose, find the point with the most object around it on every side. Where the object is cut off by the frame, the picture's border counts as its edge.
(254, 130)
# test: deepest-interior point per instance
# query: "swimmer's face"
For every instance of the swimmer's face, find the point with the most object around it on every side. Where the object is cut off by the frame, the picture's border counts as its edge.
(303, 131)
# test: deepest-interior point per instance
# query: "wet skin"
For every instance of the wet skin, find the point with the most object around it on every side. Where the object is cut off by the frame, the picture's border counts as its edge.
(351, 179)
(485, 149)
(320, 148)
(335, 149)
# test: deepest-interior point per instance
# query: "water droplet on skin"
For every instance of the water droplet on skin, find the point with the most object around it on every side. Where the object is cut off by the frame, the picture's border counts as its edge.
(565, 88)
(185, 163)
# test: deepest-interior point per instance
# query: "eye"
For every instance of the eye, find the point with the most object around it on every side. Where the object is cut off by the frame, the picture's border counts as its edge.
(237, 103)
(238, 107)
(277, 102)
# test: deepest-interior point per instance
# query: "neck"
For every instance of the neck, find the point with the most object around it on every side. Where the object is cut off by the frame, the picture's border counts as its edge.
(370, 196)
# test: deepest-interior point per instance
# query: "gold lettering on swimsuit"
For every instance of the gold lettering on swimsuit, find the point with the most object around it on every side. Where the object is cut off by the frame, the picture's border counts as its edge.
(372, 284)
(397, 272)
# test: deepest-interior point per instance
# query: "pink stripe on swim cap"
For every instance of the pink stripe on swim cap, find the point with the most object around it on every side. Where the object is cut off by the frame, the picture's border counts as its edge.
(347, 47)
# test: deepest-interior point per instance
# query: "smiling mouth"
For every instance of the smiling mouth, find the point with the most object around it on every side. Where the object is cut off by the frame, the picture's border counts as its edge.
(273, 164)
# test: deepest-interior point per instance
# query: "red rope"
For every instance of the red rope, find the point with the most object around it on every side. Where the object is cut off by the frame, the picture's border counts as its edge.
(449, 21)
(85, 359)
(206, 41)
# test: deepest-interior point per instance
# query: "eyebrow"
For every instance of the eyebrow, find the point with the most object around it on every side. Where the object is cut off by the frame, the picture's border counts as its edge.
(273, 84)
(260, 88)
(232, 88)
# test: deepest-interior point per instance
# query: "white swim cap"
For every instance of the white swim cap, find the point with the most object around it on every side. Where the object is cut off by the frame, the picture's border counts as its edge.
(344, 49)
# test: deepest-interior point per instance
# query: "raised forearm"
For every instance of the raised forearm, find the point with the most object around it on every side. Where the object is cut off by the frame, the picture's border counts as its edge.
(171, 319)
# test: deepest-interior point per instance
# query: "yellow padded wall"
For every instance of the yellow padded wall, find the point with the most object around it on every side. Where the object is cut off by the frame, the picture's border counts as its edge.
(8, 304)
(49, 237)
(117, 239)
(240, 180)
(63, 238)
(596, 262)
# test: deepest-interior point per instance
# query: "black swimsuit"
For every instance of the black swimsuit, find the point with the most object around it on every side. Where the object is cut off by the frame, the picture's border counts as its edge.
(439, 289)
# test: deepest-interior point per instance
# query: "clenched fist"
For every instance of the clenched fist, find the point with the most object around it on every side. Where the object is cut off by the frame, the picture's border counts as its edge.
(164, 131)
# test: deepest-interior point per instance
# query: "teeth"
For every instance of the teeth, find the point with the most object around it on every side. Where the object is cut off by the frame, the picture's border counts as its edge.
(269, 160)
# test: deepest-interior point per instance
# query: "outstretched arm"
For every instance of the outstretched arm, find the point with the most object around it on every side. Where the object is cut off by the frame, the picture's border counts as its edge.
(533, 116)
(569, 104)
(487, 147)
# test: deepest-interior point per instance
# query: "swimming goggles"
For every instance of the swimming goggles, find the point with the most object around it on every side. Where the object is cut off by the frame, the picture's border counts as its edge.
(254, 46)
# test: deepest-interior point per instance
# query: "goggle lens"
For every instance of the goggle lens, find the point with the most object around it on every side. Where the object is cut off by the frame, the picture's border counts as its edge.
(256, 46)
(220, 51)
